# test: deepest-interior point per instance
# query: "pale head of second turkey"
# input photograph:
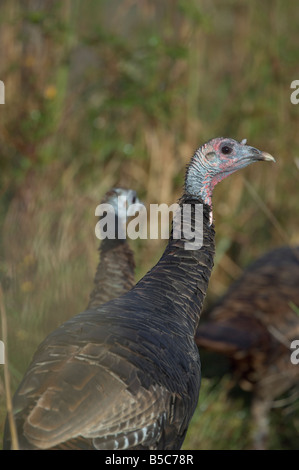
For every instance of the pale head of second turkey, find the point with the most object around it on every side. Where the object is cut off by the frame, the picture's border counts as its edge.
(216, 160)
(116, 206)
(121, 199)
(119, 203)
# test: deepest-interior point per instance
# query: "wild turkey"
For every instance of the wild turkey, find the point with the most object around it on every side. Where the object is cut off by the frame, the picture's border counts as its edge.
(126, 375)
(254, 325)
(115, 271)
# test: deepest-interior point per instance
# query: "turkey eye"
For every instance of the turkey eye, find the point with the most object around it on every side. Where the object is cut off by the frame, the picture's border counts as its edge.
(226, 150)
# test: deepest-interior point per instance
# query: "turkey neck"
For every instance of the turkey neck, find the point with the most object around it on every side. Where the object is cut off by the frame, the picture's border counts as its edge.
(179, 281)
(115, 272)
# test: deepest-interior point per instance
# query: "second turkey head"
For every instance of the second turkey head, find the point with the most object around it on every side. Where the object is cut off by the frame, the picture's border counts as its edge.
(120, 204)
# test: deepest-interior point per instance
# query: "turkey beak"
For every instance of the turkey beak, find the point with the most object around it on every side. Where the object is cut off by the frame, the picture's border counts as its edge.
(265, 156)
(257, 155)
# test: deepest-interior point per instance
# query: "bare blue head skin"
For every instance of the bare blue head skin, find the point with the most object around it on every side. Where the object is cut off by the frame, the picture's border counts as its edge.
(214, 161)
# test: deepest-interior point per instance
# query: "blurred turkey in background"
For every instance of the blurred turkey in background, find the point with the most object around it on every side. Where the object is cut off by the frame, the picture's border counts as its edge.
(115, 272)
(254, 325)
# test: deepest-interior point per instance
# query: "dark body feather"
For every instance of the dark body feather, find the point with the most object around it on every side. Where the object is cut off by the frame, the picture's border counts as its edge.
(90, 377)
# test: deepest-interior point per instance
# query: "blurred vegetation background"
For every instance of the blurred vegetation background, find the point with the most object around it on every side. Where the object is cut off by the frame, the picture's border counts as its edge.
(102, 93)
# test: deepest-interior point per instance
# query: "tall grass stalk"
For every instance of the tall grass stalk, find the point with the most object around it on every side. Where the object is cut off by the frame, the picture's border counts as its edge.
(10, 417)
